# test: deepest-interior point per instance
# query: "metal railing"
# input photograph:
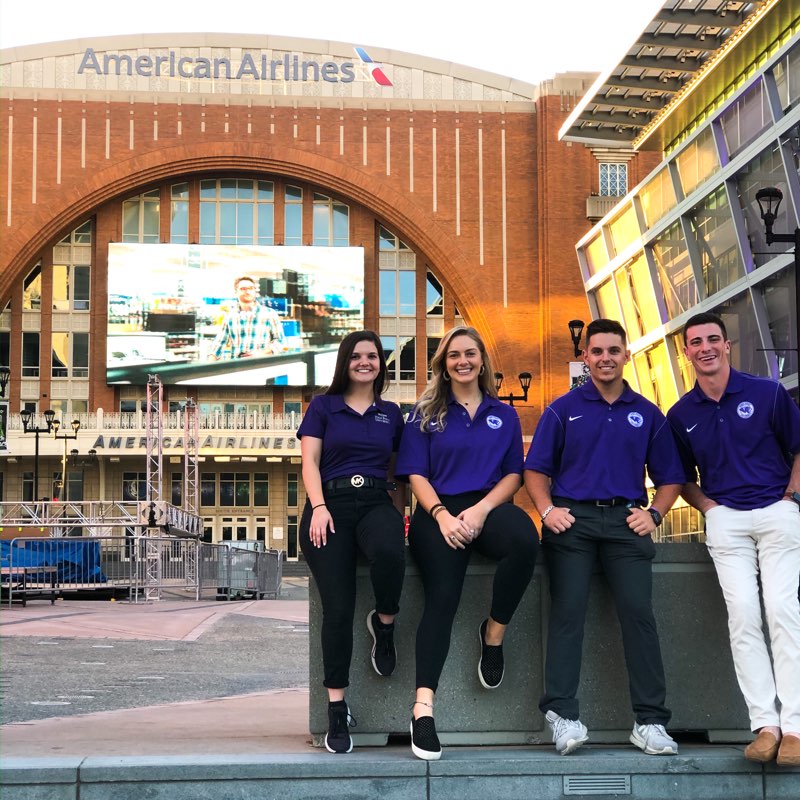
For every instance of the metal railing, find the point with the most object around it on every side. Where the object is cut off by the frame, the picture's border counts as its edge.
(101, 420)
(143, 566)
(95, 517)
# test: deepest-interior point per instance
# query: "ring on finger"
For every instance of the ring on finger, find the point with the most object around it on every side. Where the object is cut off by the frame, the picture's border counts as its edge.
(452, 538)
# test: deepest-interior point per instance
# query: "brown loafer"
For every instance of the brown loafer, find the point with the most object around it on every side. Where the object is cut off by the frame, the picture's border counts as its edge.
(764, 747)
(789, 753)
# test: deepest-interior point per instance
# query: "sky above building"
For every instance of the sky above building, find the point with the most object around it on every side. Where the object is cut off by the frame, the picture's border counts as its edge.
(527, 41)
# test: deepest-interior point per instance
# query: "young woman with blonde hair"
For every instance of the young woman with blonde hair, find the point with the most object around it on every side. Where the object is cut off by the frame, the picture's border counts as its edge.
(461, 452)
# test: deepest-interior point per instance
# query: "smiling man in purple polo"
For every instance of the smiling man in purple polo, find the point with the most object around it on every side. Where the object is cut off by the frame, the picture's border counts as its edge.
(742, 434)
(585, 472)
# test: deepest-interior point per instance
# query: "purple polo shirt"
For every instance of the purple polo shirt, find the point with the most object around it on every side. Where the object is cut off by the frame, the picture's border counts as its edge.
(469, 455)
(352, 444)
(594, 451)
(742, 445)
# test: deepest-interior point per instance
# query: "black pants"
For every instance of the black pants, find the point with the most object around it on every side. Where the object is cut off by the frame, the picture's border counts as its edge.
(365, 520)
(509, 537)
(626, 559)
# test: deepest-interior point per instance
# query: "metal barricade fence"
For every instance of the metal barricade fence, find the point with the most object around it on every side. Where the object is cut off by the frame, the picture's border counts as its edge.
(142, 565)
(235, 572)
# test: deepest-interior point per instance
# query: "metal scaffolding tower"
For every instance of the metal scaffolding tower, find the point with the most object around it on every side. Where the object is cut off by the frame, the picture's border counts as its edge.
(191, 445)
(151, 545)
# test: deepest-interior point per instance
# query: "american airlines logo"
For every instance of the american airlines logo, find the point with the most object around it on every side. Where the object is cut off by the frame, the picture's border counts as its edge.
(287, 69)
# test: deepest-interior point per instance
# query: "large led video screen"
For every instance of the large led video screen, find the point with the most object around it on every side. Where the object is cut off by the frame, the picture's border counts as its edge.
(230, 315)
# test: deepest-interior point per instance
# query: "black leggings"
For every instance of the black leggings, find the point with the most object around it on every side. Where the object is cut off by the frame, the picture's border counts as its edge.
(365, 520)
(508, 536)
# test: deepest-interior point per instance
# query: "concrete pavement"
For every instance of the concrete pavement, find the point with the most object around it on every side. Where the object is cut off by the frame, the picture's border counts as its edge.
(274, 721)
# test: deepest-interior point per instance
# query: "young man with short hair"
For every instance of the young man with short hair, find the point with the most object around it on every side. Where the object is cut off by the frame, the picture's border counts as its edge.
(742, 434)
(585, 472)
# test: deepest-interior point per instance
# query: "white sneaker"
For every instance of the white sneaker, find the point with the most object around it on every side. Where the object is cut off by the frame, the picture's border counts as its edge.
(654, 740)
(568, 734)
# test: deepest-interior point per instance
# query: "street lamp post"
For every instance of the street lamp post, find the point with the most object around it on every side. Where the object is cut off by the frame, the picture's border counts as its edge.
(76, 426)
(26, 416)
(769, 200)
(576, 327)
(524, 381)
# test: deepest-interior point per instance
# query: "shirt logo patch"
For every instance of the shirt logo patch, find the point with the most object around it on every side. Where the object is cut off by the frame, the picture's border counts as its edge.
(494, 422)
(572, 419)
(689, 430)
(636, 419)
(745, 410)
(381, 417)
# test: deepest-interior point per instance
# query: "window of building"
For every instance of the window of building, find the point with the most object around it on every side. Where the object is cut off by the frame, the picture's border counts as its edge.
(70, 355)
(713, 229)
(746, 118)
(179, 213)
(624, 229)
(32, 290)
(70, 288)
(606, 299)
(433, 343)
(234, 211)
(5, 348)
(291, 536)
(654, 371)
(30, 355)
(697, 161)
(134, 486)
(434, 296)
(261, 489)
(779, 296)
(613, 179)
(658, 197)
(636, 296)
(293, 216)
(740, 322)
(400, 357)
(208, 489)
(27, 487)
(675, 272)
(234, 489)
(291, 489)
(766, 170)
(596, 254)
(787, 78)
(398, 293)
(176, 487)
(685, 368)
(331, 222)
(141, 218)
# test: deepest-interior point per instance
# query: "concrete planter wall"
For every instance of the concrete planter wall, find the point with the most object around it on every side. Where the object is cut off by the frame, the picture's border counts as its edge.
(701, 685)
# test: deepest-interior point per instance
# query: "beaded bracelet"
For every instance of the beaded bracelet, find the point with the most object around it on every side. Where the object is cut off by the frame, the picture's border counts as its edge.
(436, 509)
(546, 512)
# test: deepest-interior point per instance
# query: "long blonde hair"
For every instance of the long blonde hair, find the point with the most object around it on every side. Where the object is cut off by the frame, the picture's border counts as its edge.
(431, 408)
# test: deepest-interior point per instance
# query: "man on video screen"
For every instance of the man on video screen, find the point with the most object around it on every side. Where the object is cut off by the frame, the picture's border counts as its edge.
(250, 329)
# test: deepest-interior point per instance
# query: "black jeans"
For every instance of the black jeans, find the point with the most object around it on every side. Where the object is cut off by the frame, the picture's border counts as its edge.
(626, 559)
(509, 537)
(365, 520)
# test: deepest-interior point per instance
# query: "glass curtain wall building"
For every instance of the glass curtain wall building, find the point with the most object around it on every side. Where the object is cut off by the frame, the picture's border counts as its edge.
(690, 237)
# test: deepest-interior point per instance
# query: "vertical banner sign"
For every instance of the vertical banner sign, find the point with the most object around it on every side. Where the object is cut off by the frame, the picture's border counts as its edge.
(3, 426)
(578, 374)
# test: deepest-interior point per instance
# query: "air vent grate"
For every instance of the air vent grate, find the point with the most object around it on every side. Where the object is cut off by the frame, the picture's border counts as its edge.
(597, 784)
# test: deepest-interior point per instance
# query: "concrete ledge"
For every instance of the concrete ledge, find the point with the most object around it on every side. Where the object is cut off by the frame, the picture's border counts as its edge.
(710, 772)
(692, 623)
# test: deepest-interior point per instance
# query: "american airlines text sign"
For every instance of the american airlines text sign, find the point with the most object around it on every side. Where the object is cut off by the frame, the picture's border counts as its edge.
(287, 69)
(253, 445)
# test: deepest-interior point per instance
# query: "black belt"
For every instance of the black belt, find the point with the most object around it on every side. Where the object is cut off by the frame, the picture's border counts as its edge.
(358, 482)
(610, 502)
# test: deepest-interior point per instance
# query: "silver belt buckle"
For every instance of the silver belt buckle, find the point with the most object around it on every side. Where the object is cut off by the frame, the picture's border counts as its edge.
(357, 481)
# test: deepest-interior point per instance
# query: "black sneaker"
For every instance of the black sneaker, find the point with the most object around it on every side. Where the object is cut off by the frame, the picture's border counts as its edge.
(491, 665)
(384, 654)
(424, 741)
(337, 739)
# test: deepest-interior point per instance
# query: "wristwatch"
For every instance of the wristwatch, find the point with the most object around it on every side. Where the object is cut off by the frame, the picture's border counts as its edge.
(795, 496)
(655, 515)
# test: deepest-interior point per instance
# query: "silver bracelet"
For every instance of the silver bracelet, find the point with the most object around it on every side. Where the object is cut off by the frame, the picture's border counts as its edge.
(546, 512)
